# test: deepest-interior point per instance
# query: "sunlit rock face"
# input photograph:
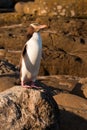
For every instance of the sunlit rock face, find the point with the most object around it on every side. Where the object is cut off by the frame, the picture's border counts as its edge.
(55, 8)
(28, 109)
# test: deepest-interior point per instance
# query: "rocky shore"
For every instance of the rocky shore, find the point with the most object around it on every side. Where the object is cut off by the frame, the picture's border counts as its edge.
(61, 102)
(64, 43)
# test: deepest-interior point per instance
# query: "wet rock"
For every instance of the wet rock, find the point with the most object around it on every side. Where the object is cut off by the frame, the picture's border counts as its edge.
(28, 109)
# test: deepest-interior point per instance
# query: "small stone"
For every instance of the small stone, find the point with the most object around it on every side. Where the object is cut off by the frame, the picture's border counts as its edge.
(59, 7)
(72, 13)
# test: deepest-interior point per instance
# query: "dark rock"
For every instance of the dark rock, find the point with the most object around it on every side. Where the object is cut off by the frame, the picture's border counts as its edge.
(6, 67)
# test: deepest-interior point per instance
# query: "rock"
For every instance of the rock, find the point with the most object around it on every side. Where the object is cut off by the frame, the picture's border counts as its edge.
(56, 83)
(55, 8)
(84, 90)
(31, 8)
(64, 54)
(10, 79)
(80, 88)
(29, 109)
(72, 13)
(2, 53)
(55, 56)
(6, 67)
(73, 111)
(19, 7)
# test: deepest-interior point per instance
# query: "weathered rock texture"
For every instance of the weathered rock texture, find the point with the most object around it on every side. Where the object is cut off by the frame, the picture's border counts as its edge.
(28, 109)
(65, 47)
(57, 8)
(72, 102)
(6, 68)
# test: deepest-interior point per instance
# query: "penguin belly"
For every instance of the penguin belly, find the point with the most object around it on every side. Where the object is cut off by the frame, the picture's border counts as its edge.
(31, 60)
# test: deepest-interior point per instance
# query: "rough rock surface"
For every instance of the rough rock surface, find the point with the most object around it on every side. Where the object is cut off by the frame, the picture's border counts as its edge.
(64, 43)
(65, 48)
(6, 67)
(28, 109)
(72, 101)
(65, 89)
(54, 8)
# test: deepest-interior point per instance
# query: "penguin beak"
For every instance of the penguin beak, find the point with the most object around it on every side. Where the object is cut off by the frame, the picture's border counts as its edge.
(39, 27)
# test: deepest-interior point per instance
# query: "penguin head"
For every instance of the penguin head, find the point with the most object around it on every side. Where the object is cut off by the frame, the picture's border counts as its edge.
(34, 27)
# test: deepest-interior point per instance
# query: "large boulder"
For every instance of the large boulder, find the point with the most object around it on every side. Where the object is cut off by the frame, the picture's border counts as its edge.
(29, 109)
(73, 111)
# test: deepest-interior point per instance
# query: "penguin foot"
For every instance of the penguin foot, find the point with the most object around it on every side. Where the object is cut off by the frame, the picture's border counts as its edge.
(26, 86)
(34, 86)
(31, 85)
(37, 87)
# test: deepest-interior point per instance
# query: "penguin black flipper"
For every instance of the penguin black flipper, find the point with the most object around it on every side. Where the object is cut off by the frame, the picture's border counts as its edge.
(24, 51)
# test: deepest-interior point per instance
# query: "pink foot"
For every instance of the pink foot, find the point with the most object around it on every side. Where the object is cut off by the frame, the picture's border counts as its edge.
(34, 86)
(26, 86)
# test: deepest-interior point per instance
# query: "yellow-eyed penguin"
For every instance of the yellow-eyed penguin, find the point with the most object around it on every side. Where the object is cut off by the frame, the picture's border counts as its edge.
(31, 56)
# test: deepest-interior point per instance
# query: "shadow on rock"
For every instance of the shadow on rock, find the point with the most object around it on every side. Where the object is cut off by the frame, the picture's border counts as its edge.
(50, 89)
(77, 90)
(70, 121)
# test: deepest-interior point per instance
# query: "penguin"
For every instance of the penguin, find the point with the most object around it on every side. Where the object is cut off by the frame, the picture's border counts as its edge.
(31, 56)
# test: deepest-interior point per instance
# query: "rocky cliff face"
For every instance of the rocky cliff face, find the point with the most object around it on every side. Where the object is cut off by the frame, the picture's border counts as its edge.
(28, 109)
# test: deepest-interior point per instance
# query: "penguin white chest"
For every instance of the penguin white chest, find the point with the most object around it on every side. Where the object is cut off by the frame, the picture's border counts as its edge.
(32, 58)
(34, 50)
